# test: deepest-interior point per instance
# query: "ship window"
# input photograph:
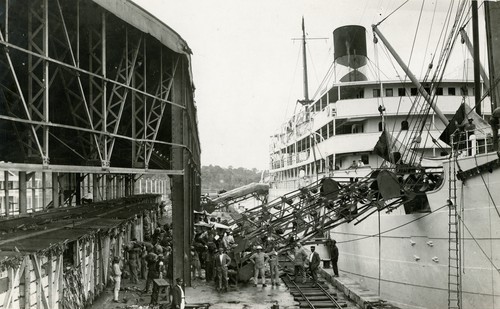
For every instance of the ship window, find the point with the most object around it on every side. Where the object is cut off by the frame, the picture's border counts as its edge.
(357, 128)
(365, 158)
(463, 90)
(439, 91)
(413, 91)
(401, 92)
(380, 128)
(361, 94)
(388, 92)
(451, 91)
(404, 125)
(376, 93)
(427, 89)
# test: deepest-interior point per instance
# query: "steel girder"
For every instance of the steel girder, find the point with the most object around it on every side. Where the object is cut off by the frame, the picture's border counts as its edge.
(82, 87)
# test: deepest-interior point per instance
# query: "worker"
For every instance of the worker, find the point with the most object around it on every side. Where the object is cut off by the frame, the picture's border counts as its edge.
(151, 259)
(299, 260)
(178, 295)
(195, 263)
(334, 255)
(134, 251)
(222, 261)
(259, 259)
(116, 275)
(273, 267)
(314, 261)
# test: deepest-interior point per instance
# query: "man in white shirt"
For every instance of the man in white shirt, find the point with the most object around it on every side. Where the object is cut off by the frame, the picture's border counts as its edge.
(116, 274)
(178, 296)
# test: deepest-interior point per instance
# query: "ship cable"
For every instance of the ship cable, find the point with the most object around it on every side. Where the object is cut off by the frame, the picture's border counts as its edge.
(392, 13)
(392, 229)
(479, 246)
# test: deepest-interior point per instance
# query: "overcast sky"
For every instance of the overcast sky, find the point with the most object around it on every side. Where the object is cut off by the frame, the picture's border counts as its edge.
(248, 71)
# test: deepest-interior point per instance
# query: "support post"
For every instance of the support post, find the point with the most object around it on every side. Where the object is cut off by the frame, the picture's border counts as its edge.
(55, 189)
(23, 193)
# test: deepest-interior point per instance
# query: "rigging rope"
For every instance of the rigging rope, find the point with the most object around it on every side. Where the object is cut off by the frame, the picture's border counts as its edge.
(392, 13)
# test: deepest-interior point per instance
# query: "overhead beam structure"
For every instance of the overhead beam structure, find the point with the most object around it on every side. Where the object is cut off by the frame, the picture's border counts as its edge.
(94, 94)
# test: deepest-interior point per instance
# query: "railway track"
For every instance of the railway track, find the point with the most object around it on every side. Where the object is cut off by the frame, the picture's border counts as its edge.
(316, 295)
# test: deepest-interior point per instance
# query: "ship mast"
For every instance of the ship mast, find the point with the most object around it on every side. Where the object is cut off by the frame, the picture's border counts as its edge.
(492, 21)
(304, 61)
(306, 100)
(475, 43)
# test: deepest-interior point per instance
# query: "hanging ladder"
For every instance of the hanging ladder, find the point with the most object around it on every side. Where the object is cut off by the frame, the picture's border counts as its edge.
(454, 261)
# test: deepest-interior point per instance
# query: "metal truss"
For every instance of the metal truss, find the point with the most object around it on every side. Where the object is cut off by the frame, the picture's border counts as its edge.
(69, 62)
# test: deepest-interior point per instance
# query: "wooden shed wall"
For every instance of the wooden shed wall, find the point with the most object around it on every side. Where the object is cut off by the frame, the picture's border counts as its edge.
(42, 277)
(35, 283)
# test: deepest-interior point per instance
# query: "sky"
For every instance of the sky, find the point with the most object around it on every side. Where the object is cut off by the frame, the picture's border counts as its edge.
(247, 67)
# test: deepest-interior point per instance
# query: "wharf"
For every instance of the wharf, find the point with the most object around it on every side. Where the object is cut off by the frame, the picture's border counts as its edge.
(363, 297)
(245, 295)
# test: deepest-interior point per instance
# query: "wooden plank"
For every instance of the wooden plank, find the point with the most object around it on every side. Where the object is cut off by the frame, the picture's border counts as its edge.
(92, 267)
(105, 260)
(83, 267)
(41, 298)
(50, 275)
(58, 280)
(27, 284)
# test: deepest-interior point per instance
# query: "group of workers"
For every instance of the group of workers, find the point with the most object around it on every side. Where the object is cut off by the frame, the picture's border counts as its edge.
(211, 250)
(151, 259)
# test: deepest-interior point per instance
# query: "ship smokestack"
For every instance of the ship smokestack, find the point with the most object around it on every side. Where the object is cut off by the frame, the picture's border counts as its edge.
(349, 44)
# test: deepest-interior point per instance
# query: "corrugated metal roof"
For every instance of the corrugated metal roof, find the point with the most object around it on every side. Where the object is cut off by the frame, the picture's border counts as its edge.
(141, 19)
(41, 230)
(144, 21)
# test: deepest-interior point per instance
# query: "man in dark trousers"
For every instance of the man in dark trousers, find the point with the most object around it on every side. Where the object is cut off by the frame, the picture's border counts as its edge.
(314, 261)
(334, 255)
(178, 296)
(221, 263)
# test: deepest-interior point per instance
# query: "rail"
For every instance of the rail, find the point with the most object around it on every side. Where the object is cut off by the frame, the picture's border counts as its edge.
(312, 297)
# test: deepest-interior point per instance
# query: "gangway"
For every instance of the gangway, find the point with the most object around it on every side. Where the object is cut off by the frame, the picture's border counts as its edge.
(258, 191)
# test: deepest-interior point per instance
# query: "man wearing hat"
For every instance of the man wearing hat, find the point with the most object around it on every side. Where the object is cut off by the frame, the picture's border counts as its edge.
(178, 295)
(300, 257)
(314, 261)
(259, 259)
(334, 255)
(273, 266)
(222, 262)
(116, 274)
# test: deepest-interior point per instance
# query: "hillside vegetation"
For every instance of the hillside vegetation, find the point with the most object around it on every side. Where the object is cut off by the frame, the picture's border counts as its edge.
(216, 178)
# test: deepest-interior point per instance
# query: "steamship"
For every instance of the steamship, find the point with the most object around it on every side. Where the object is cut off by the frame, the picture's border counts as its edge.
(442, 251)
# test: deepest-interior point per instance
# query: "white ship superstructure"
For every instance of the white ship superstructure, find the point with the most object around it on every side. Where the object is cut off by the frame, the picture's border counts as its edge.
(444, 252)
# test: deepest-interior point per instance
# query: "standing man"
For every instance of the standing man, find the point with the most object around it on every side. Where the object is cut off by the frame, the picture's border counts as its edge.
(195, 263)
(153, 273)
(273, 266)
(116, 274)
(178, 296)
(299, 261)
(334, 255)
(259, 259)
(222, 262)
(314, 261)
(133, 260)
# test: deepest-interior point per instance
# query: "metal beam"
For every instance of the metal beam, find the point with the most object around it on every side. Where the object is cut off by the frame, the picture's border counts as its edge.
(7, 166)
(412, 77)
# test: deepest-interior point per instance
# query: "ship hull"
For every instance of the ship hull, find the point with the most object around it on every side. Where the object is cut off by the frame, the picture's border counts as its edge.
(404, 257)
